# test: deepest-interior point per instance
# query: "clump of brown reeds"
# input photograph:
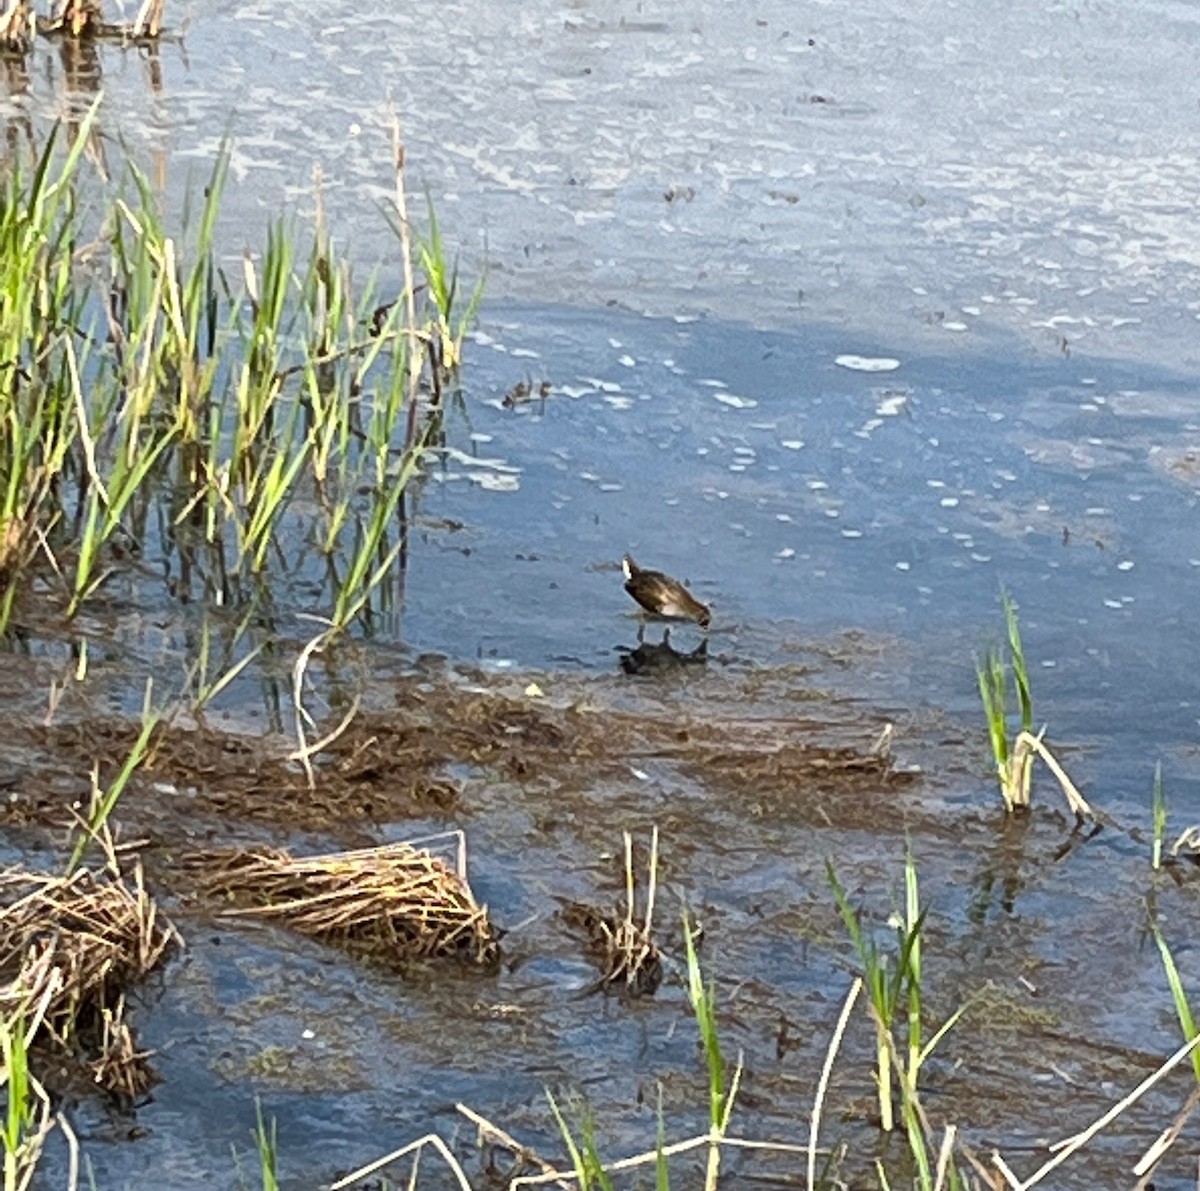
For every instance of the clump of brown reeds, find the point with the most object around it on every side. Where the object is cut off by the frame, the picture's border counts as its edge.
(69, 948)
(76, 19)
(394, 903)
(17, 26)
(85, 18)
(622, 946)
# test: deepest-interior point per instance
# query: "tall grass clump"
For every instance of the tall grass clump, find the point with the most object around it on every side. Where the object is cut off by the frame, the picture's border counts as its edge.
(893, 979)
(41, 305)
(254, 428)
(1015, 745)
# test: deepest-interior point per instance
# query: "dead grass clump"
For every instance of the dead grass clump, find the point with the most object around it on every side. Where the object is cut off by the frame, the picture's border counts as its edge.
(628, 958)
(85, 18)
(71, 946)
(394, 904)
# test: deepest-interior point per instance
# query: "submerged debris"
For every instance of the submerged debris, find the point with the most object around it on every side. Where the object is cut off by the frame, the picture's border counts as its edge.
(629, 961)
(394, 903)
(452, 736)
(69, 949)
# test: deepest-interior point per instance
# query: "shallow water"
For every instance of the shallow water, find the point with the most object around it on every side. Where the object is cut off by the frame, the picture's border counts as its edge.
(850, 318)
(922, 174)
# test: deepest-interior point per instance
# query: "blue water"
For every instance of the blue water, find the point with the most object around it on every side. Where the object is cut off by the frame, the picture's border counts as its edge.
(852, 316)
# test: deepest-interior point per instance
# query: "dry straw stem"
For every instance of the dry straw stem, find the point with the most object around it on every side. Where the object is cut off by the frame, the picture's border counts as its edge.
(415, 1148)
(1154, 1155)
(410, 292)
(1189, 839)
(835, 1044)
(149, 19)
(623, 947)
(70, 946)
(394, 902)
(633, 957)
(712, 1138)
(1071, 1145)
(639, 955)
(1027, 743)
(305, 751)
(491, 1133)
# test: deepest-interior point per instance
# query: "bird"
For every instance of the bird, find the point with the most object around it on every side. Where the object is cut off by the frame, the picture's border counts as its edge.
(662, 595)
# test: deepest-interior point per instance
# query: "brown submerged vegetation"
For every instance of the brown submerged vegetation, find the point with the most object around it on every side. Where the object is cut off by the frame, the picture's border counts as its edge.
(393, 765)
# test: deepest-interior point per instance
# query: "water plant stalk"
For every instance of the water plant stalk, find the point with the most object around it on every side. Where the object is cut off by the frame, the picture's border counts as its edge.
(1013, 752)
(1159, 817)
(103, 802)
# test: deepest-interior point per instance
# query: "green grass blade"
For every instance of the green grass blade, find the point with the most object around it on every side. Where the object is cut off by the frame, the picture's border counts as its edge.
(1020, 670)
(1183, 1009)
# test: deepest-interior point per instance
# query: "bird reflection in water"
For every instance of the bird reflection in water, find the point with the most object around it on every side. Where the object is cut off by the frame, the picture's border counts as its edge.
(662, 658)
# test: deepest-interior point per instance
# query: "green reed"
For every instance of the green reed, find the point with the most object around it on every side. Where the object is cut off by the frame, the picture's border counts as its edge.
(579, 1134)
(894, 981)
(722, 1089)
(1014, 764)
(20, 1134)
(884, 978)
(1183, 1007)
(104, 801)
(442, 278)
(155, 390)
(266, 1149)
(582, 1149)
(266, 1143)
(1014, 752)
